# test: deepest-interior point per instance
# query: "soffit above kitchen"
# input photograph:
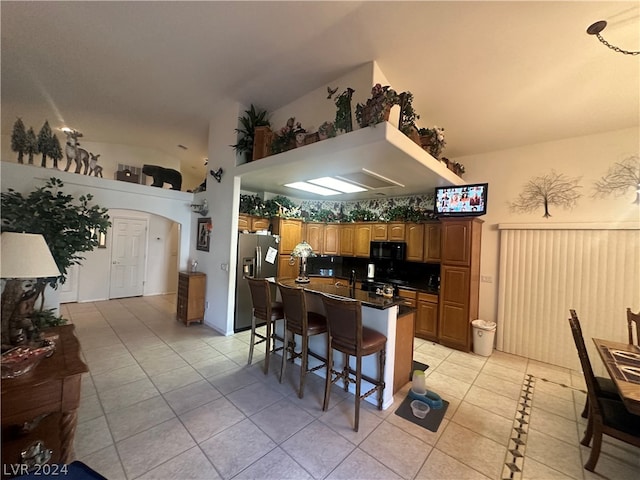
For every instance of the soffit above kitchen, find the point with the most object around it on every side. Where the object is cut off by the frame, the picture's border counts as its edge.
(381, 157)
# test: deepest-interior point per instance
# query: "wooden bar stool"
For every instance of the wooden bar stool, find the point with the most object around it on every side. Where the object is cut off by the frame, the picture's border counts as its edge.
(633, 318)
(347, 335)
(265, 310)
(299, 321)
(606, 386)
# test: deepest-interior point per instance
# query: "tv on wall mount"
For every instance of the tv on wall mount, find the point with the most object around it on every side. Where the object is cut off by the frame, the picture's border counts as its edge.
(461, 200)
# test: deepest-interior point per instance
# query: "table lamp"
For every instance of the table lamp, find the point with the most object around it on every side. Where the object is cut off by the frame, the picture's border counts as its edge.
(304, 251)
(24, 256)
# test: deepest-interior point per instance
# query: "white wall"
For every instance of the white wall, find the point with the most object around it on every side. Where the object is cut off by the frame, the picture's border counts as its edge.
(167, 210)
(507, 171)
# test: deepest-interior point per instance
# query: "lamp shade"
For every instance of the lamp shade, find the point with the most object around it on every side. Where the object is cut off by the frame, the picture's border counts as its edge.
(26, 255)
(303, 249)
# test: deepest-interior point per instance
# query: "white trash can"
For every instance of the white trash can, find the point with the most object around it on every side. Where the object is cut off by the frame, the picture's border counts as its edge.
(484, 333)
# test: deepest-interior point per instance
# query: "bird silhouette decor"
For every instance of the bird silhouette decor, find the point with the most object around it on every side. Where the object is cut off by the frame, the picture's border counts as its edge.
(217, 174)
(331, 91)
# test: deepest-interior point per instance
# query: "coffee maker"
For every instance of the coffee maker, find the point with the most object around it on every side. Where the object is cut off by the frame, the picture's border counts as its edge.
(371, 270)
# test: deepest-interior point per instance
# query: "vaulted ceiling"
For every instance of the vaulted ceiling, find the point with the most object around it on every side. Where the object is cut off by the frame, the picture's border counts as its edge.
(494, 74)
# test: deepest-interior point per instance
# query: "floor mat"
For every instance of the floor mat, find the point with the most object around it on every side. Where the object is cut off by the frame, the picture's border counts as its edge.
(418, 366)
(430, 422)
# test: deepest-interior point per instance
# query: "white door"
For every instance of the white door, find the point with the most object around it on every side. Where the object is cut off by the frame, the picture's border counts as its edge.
(127, 257)
(68, 291)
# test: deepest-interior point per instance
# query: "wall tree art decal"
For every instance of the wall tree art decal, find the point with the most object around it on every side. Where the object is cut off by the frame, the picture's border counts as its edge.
(554, 189)
(620, 177)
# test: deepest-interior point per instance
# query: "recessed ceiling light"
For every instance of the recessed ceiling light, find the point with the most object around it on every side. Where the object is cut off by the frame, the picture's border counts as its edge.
(311, 188)
(335, 184)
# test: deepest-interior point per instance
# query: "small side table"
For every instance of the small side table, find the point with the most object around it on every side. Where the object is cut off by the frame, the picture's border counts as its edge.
(43, 404)
(191, 297)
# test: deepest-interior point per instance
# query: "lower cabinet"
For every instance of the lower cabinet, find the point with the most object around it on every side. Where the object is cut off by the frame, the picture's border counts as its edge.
(191, 297)
(427, 317)
(454, 329)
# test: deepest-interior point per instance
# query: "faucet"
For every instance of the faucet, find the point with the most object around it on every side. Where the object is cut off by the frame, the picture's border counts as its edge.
(352, 279)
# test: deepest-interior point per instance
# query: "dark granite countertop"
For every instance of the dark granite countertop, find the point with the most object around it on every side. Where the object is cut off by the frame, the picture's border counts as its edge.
(417, 286)
(368, 299)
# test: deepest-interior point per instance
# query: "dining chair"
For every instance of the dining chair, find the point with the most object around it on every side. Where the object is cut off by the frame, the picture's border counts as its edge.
(633, 318)
(346, 334)
(606, 416)
(264, 310)
(299, 321)
(606, 386)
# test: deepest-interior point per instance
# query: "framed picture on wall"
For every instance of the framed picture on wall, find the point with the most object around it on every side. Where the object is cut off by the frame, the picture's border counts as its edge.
(203, 234)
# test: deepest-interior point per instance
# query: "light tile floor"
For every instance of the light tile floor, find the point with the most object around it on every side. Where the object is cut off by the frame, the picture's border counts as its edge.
(165, 401)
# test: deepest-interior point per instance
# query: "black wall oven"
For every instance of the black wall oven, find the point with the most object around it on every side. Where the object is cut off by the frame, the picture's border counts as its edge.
(387, 250)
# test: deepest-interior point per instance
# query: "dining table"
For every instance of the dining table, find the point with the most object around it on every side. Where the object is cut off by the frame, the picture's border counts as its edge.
(622, 362)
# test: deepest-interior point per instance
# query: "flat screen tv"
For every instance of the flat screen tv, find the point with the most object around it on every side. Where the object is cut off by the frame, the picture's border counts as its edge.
(461, 200)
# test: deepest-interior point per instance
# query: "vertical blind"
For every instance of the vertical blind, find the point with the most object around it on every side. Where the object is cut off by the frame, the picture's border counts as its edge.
(545, 271)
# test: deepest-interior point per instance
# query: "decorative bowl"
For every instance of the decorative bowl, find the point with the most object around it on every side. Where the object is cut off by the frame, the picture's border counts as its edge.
(23, 359)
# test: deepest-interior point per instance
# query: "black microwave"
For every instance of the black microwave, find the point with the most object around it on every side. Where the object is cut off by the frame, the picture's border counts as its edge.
(387, 250)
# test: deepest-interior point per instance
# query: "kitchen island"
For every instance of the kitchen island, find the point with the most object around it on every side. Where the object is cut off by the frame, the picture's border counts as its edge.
(378, 313)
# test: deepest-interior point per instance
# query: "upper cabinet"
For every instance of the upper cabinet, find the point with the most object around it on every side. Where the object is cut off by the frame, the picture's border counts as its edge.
(362, 240)
(396, 232)
(251, 223)
(415, 242)
(313, 233)
(379, 232)
(432, 239)
(331, 239)
(290, 231)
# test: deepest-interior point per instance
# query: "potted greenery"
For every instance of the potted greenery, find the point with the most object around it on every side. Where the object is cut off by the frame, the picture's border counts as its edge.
(408, 117)
(378, 107)
(343, 113)
(285, 138)
(68, 226)
(253, 118)
(326, 130)
(432, 140)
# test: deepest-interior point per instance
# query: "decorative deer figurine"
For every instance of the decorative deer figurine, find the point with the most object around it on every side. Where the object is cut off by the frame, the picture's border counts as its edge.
(93, 165)
(74, 152)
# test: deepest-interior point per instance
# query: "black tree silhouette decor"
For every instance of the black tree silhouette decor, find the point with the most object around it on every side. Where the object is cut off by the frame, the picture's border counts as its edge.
(552, 189)
(619, 178)
(19, 139)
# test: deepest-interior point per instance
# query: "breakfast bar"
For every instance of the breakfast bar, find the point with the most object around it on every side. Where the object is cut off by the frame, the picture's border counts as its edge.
(383, 314)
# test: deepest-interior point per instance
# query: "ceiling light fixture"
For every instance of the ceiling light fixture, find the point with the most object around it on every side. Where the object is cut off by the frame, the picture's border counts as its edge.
(335, 184)
(311, 188)
(598, 27)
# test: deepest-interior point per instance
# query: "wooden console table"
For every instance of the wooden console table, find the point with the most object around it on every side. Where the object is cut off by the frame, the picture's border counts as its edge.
(42, 404)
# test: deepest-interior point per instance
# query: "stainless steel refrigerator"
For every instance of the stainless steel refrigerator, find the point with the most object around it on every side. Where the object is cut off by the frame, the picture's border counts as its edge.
(256, 258)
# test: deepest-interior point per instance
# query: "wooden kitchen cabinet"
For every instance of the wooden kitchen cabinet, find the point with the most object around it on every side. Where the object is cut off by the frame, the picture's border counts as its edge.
(251, 223)
(427, 317)
(191, 297)
(290, 231)
(347, 234)
(43, 404)
(314, 236)
(459, 281)
(379, 232)
(331, 239)
(285, 270)
(414, 235)
(362, 240)
(396, 232)
(432, 240)
(458, 238)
